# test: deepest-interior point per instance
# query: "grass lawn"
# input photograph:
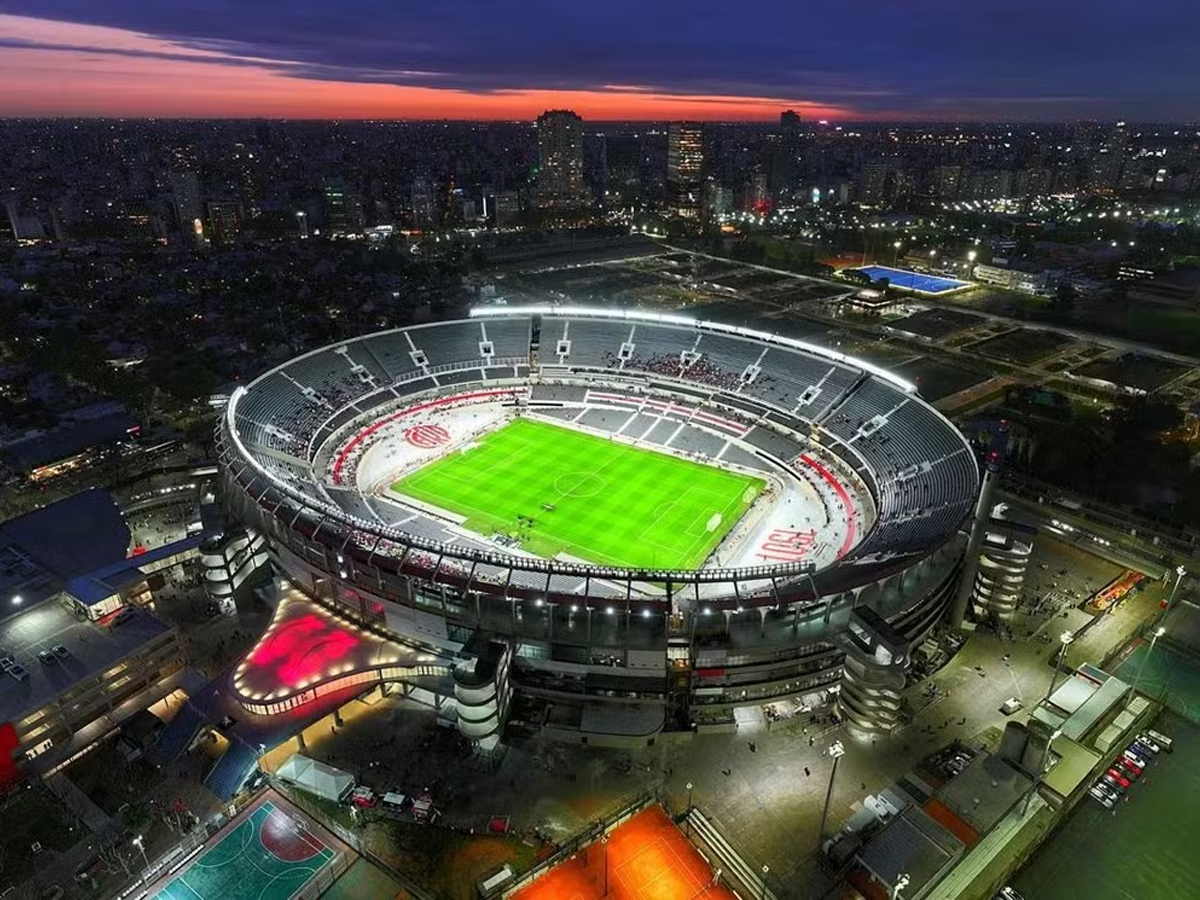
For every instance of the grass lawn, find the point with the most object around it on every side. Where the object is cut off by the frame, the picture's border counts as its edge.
(586, 496)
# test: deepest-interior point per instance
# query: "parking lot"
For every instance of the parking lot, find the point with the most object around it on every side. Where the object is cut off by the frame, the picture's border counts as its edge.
(1142, 849)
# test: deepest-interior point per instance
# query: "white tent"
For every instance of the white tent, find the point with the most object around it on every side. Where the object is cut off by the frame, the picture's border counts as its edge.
(316, 777)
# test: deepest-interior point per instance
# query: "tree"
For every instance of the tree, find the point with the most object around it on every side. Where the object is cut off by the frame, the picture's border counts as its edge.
(1063, 301)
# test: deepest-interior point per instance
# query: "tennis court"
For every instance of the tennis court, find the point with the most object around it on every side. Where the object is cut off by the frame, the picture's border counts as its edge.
(647, 858)
(271, 855)
(914, 281)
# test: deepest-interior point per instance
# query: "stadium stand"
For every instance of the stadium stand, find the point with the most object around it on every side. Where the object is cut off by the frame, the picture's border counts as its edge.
(450, 343)
(921, 471)
(591, 342)
(392, 349)
(510, 339)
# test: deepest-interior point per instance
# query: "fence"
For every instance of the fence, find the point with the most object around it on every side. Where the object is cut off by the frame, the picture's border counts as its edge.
(735, 871)
(191, 844)
(349, 837)
(323, 879)
(591, 832)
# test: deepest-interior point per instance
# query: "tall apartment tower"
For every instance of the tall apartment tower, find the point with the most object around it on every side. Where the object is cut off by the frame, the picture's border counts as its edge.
(185, 187)
(685, 164)
(560, 183)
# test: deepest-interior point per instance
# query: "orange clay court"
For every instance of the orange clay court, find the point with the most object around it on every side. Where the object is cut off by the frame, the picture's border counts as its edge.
(648, 859)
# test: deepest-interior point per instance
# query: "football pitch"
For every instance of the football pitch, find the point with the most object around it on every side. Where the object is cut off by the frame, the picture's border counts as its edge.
(561, 491)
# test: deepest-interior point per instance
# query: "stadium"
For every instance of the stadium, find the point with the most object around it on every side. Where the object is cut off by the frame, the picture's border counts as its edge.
(599, 523)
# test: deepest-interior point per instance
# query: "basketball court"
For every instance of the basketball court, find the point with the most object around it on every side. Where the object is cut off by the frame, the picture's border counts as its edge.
(647, 858)
(273, 853)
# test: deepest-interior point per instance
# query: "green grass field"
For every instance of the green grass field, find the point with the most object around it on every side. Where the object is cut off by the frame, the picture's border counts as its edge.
(588, 497)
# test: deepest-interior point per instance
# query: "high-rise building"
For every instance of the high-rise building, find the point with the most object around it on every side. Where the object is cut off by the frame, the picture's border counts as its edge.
(224, 221)
(871, 183)
(507, 208)
(343, 210)
(560, 161)
(424, 203)
(185, 187)
(14, 217)
(685, 164)
(789, 121)
(946, 182)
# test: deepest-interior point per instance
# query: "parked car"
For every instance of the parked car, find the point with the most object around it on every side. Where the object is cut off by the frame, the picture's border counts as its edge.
(1112, 783)
(123, 616)
(47, 658)
(1102, 798)
(1142, 750)
(1106, 789)
(1149, 743)
(364, 797)
(61, 652)
(1162, 740)
(1128, 767)
(1010, 706)
(1119, 777)
(1131, 752)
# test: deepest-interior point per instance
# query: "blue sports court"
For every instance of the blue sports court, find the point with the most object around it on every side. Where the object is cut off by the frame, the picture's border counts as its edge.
(914, 281)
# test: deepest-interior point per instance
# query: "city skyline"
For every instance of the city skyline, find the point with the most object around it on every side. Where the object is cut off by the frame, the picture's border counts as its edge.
(616, 62)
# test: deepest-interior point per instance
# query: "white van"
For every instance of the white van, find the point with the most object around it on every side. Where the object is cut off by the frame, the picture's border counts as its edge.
(1161, 739)
(393, 804)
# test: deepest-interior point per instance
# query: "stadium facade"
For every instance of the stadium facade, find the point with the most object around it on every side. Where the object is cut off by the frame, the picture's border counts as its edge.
(601, 652)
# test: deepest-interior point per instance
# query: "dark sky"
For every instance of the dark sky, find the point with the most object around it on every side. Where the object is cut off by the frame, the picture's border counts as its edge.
(929, 59)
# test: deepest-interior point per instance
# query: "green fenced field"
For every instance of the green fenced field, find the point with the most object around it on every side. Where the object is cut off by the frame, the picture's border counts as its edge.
(561, 491)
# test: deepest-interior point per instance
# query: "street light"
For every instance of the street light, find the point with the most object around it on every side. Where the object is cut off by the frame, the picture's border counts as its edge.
(1158, 632)
(1180, 571)
(837, 751)
(895, 253)
(688, 819)
(1037, 778)
(765, 870)
(604, 846)
(16, 600)
(1066, 637)
(141, 845)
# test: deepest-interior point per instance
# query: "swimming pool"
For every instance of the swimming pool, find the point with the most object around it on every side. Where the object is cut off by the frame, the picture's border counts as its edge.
(914, 281)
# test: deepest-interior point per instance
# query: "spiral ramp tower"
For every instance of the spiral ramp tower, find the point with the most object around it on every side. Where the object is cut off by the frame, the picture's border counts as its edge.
(1003, 562)
(873, 674)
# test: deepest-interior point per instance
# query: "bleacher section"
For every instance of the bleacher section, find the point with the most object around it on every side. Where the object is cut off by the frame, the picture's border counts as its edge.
(786, 377)
(331, 377)
(178, 735)
(692, 440)
(392, 349)
(591, 342)
(778, 445)
(510, 338)
(561, 393)
(231, 770)
(449, 343)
